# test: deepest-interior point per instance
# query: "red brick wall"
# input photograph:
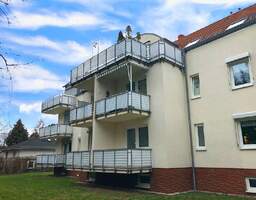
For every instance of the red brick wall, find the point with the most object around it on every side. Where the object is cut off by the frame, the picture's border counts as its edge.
(79, 175)
(171, 180)
(224, 180)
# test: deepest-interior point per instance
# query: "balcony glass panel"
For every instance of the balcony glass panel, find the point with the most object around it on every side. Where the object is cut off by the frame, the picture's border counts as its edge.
(81, 113)
(131, 47)
(78, 160)
(56, 130)
(50, 160)
(128, 100)
(60, 100)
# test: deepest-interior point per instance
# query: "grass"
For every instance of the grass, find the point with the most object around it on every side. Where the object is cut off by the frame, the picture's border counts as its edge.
(43, 186)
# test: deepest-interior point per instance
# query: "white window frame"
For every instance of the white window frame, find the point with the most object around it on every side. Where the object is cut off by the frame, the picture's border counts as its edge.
(249, 189)
(199, 148)
(193, 96)
(241, 143)
(229, 62)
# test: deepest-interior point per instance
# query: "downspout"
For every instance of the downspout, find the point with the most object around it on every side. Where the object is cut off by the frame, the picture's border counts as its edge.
(189, 123)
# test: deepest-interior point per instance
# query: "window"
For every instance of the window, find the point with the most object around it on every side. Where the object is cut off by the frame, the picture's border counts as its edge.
(250, 185)
(200, 140)
(142, 86)
(247, 134)
(240, 73)
(66, 117)
(143, 137)
(195, 86)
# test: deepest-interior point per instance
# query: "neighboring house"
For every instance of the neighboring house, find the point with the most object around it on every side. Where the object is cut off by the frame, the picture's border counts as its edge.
(171, 116)
(29, 149)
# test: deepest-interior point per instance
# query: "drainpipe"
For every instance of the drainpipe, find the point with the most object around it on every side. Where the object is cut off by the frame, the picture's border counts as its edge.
(189, 123)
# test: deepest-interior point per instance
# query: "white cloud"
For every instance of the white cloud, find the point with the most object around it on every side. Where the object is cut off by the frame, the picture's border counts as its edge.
(32, 78)
(30, 107)
(67, 52)
(223, 2)
(170, 16)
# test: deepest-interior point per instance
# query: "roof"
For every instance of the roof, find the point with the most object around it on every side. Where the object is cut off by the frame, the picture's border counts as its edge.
(220, 28)
(32, 144)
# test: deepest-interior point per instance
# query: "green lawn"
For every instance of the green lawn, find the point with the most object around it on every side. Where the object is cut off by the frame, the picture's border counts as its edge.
(35, 186)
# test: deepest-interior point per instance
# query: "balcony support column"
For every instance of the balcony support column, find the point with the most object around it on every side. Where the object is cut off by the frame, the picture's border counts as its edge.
(129, 72)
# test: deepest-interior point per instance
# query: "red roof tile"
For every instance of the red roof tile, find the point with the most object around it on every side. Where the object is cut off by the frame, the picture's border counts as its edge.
(216, 27)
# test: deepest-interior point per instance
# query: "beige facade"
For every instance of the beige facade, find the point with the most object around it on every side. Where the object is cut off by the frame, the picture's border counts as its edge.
(218, 102)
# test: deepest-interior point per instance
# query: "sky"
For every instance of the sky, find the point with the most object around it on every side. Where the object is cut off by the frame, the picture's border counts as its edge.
(48, 38)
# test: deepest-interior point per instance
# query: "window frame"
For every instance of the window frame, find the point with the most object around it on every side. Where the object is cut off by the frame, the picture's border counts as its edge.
(193, 96)
(139, 141)
(199, 148)
(231, 74)
(249, 189)
(241, 142)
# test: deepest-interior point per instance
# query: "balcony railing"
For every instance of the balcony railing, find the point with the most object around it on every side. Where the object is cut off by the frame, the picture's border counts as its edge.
(129, 47)
(64, 100)
(50, 160)
(123, 102)
(127, 160)
(78, 160)
(56, 130)
(81, 113)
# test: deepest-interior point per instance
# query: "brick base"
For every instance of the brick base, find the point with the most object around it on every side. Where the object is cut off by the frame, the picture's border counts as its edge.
(79, 175)
(223, 180)
(171, 180)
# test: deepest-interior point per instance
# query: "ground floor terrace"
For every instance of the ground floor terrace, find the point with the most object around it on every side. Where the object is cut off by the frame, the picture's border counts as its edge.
(37, 185)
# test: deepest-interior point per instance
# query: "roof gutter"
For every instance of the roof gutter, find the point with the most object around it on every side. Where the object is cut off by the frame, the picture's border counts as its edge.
(189, 122)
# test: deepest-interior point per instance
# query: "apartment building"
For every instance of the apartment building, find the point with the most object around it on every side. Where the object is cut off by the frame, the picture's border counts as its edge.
(162, 115)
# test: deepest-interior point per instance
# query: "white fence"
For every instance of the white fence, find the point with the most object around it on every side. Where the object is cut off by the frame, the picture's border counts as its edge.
(78, 160)
(56, 130)
(62, 99)
(127, 159)
(124, 101)
(50, 160)
(129, 47)
(81, 113)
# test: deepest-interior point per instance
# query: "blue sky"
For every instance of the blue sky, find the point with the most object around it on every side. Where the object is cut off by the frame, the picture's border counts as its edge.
(56, 35)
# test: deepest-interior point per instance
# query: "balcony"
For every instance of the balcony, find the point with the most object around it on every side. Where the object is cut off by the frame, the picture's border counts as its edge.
(50, 160)
(82, 116)
(121, 107)
(78, 160)
(59, 104)
(129, 161)
(128, 49)
(56, 130)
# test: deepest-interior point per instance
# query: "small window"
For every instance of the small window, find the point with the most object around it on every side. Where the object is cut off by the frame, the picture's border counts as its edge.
(143, 137)
(195, 86)
(250, 185)
(240, 73)
(200, 139)
(248, 134)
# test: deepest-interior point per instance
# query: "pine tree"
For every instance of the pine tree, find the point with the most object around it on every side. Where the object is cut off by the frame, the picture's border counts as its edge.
(17, 134)
(120, 37)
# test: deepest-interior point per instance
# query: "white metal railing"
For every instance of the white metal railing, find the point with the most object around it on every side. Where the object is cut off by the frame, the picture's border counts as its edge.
(123, 101)
(129, 47)
(56, 130)
(78, 160)
(81, 113)
(50, 160)
(62, 99)
(126, 159)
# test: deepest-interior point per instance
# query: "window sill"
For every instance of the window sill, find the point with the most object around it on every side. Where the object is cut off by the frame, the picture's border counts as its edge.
(198, 149)
(242, 86)
(248, 147)
(250, 191)
(195, 97)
